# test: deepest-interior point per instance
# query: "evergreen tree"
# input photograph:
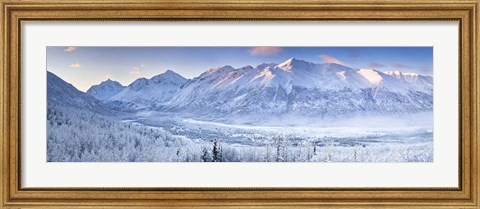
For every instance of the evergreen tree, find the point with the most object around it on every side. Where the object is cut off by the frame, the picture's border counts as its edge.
(216, 152)
(278, 157)
(205, 156)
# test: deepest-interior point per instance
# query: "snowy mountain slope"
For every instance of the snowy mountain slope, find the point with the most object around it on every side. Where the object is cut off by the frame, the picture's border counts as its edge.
(268, 77)
(149, 93)
(419, 81)
(61, 93)
(379, 79)
(293, 87)
(105, 89)
(300, 87)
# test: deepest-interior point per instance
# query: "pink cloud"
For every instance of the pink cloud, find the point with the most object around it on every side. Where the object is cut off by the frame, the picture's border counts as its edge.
(375, 65)
(70, 49)
(398, 65)
(135, 72)
(330, 59)
(264, 51)
(76, 65)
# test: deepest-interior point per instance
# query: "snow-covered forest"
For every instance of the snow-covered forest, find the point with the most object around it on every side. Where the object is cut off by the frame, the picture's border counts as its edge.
(82, 136)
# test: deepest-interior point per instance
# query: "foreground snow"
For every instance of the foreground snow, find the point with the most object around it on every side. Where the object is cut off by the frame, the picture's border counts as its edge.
(83, 136)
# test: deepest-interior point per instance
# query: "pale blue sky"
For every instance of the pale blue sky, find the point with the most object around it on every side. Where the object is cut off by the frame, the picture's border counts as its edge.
(86, 66)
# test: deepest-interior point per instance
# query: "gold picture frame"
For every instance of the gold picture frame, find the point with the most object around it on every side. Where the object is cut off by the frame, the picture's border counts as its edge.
(15, 12)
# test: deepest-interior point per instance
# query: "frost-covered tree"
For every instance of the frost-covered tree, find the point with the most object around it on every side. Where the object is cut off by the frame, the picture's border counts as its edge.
(217, 152)
(205, 155)
(76, 135)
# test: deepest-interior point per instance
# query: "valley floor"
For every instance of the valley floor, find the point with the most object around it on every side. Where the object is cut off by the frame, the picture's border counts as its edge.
(83, 136)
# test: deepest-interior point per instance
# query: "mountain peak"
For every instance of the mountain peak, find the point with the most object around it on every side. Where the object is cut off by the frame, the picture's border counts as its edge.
(138, 84)
(371, 75)
(248, 67)
(110, 82)
(291, 59)
(220, 69)
(145, 92)
(105, 89)
(170, 76)
(398, 73)
(170, 72)
(293, 62)
(266, 65)
(60, 92)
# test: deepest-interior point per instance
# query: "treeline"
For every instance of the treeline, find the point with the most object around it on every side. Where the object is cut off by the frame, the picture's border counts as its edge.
(75, 135)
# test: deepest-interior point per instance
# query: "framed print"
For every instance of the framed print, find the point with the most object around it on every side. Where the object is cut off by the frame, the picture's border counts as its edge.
(254, 104)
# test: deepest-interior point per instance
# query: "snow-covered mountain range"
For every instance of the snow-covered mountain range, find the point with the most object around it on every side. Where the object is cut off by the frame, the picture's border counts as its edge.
(293, 87)
(61, 93)
(147, 93)
(105, 90)
(302, 88)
